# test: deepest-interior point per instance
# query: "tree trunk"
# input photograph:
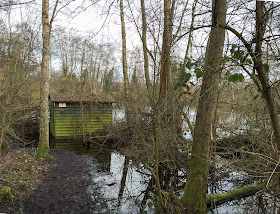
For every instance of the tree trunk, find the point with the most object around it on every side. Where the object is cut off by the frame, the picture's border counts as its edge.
(180, 107)
(190, 37)
(43, 148)
(197, 181)
(266, 86)
(160, 110)
(261, 20)
(165, 68)
(2, 134)
(145, 52)
(124, 61)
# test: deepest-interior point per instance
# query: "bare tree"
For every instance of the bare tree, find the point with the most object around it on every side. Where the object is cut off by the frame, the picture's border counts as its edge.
(124, 60)
(145, 48)
(261, 21)
(43, 147)
(18, 74)
(165, 67)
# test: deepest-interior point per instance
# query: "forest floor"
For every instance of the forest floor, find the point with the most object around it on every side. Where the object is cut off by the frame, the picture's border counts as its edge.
(62, 187)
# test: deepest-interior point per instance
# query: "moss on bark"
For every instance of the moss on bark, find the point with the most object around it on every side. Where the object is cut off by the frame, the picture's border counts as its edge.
(241, 192)
(218, 199)
(195, 199)
(43, 151)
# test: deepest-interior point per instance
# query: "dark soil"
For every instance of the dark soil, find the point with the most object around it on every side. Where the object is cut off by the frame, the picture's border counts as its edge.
(63, 189)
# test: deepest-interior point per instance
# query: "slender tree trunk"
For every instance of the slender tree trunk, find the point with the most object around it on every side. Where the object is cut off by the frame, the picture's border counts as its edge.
(215, 123)
(197, 181)
(145, 52)
(2, 134)
(261, 20)
(124, 61)
(190, 36)
(158, 137)
(83, 73)
(43, 148)
(180, 107)
(165, 68)
(266, 86)
(160, 109)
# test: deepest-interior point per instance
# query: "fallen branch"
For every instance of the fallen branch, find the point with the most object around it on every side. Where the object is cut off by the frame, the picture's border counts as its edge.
(29, 144)
(242, 192)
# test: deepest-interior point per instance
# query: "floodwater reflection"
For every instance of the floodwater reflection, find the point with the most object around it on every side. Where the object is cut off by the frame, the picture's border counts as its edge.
(100, 152)
(120, 184)
(123, 195)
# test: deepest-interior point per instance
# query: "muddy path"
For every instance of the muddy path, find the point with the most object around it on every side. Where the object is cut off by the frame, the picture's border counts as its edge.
(64, 188)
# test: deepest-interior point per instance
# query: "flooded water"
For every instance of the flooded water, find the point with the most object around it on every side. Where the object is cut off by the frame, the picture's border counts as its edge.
(108, 172)
(238, 124)
(111, 186)
(123, 186)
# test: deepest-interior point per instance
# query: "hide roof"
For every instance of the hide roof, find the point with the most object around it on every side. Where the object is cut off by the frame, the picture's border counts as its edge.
(97, 98)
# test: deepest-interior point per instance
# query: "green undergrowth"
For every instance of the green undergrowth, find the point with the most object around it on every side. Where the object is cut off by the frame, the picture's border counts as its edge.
(5, 193)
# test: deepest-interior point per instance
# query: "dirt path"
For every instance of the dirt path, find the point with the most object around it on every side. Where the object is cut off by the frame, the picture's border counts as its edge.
(64, 188)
